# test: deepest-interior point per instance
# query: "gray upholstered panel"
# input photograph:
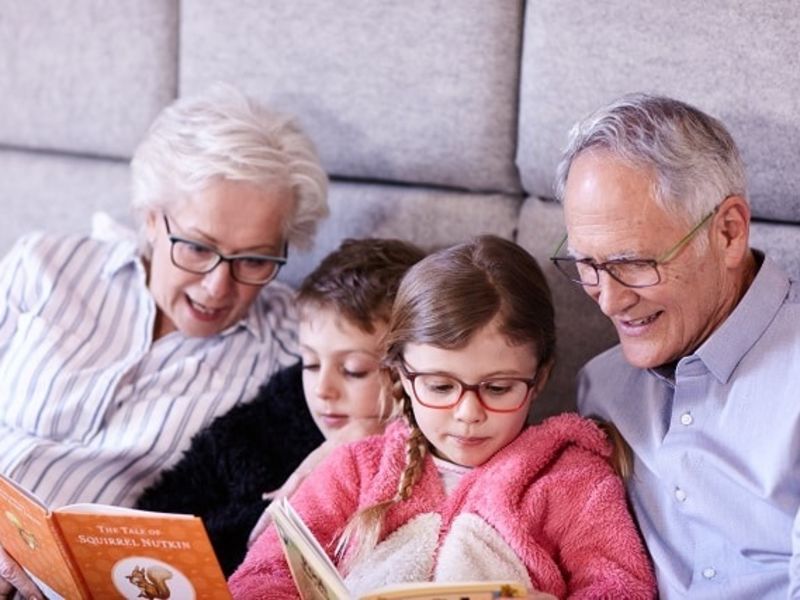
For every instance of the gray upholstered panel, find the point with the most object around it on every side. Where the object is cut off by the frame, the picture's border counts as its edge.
(428, 217)
(736, 60)
(582, 330)
(57, 192)
(85, 77)
(781, 242)
(413, 91)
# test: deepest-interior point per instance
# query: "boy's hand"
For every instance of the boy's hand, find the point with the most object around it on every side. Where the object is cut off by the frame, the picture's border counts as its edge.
(356, 429)
(13, 578)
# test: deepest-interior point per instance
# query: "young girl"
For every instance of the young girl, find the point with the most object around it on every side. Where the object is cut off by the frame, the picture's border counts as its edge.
(334, 394)
(461, 489)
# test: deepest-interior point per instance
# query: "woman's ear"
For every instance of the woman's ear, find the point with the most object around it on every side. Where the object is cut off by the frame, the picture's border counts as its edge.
(151, 223)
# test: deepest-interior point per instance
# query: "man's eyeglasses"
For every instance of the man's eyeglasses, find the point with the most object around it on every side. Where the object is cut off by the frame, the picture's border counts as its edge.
(440, 390)
(196, 257)
(633, 273)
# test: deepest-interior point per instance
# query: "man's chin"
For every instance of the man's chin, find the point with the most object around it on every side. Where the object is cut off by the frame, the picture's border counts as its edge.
(640, 356)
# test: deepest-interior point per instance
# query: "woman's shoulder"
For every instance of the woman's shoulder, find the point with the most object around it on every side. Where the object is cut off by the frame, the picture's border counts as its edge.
(48, 259)
(45, 245)
(278, 407)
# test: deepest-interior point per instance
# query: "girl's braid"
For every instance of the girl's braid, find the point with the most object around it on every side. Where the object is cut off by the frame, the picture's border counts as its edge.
(361, 534)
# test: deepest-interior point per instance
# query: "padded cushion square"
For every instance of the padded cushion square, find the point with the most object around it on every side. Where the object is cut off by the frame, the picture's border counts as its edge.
(430, 218)
(58, 193)
(412, 91)
(85, 77)
(737, 61)
(582, 331)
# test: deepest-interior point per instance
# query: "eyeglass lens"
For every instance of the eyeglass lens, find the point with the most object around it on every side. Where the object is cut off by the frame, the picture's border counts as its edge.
(202, 259)
(442, 391)
(634, 273)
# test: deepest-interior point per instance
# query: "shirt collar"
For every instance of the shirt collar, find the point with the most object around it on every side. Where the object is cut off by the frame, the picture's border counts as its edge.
(122, 254)
(726, 346)
(252, 321)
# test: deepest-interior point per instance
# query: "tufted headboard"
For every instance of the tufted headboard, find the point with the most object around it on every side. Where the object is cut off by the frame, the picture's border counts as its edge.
(437, 120)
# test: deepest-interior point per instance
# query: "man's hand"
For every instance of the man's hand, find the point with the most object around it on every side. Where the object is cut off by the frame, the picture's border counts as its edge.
(13, 578)
(354, 430)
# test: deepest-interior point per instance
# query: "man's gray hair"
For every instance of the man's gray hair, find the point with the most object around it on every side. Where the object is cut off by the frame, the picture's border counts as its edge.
(694, 159)
(223, 135)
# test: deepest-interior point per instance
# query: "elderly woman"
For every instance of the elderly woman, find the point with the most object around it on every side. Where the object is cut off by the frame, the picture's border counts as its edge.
(112, 355)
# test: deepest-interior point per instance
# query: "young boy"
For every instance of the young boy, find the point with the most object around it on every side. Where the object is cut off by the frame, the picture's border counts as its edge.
(344, 307)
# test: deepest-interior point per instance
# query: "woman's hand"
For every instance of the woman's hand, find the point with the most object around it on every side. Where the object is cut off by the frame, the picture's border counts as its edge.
(14, 579)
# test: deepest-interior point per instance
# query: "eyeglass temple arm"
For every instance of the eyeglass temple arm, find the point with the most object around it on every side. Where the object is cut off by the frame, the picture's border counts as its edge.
(555, 252)
(670, 254)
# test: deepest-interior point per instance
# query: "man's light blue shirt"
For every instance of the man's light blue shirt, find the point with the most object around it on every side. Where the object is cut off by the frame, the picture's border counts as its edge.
(716, 484)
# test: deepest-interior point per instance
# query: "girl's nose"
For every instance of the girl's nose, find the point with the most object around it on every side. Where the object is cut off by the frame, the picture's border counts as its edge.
(469, 409)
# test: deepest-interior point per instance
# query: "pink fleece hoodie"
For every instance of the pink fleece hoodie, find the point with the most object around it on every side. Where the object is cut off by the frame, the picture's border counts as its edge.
(546, 510)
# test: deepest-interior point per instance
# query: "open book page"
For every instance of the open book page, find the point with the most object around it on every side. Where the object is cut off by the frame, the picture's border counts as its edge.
(462, 590)
(315, 575)
(317, 578)
(27, 534)
(108, 509)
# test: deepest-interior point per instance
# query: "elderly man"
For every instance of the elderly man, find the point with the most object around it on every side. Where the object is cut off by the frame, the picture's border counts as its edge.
(703, 385)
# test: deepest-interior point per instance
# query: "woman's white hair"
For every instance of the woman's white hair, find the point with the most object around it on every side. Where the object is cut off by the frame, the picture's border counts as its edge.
(223, 135)
(694, 159)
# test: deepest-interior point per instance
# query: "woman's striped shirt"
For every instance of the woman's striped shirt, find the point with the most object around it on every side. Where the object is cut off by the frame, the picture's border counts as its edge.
(91, 408)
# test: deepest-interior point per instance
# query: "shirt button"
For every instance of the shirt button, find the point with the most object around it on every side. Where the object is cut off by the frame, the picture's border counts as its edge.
(680, 495)
(687, 419)
(709, 573)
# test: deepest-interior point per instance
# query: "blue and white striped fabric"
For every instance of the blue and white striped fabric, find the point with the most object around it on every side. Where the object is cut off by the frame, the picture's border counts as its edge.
(91, 409)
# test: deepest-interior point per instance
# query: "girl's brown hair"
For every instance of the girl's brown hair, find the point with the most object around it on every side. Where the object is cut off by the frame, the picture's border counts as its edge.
(443, 301)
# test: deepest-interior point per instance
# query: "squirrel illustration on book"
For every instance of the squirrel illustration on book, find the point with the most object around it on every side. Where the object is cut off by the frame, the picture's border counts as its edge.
(152, 582)
(27, 536)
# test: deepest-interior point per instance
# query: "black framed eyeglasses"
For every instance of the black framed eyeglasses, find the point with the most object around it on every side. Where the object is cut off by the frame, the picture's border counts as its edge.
(632, 273)
(199, 258)
(441, 390)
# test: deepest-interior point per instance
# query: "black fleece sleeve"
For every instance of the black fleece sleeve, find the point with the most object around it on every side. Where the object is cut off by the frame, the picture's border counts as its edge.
(251, 449)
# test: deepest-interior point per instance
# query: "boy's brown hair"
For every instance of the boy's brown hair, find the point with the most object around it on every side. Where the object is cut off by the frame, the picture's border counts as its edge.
(359, 279)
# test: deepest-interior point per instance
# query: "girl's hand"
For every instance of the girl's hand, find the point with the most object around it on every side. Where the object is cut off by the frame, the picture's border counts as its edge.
(289, 486)
(354, 430)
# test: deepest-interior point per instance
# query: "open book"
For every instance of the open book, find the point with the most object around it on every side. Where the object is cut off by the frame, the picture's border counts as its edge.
(99, 551)
(317, 578)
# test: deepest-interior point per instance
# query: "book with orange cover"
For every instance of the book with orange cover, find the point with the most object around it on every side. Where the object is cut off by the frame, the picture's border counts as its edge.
(99, 551)
(317, 578)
